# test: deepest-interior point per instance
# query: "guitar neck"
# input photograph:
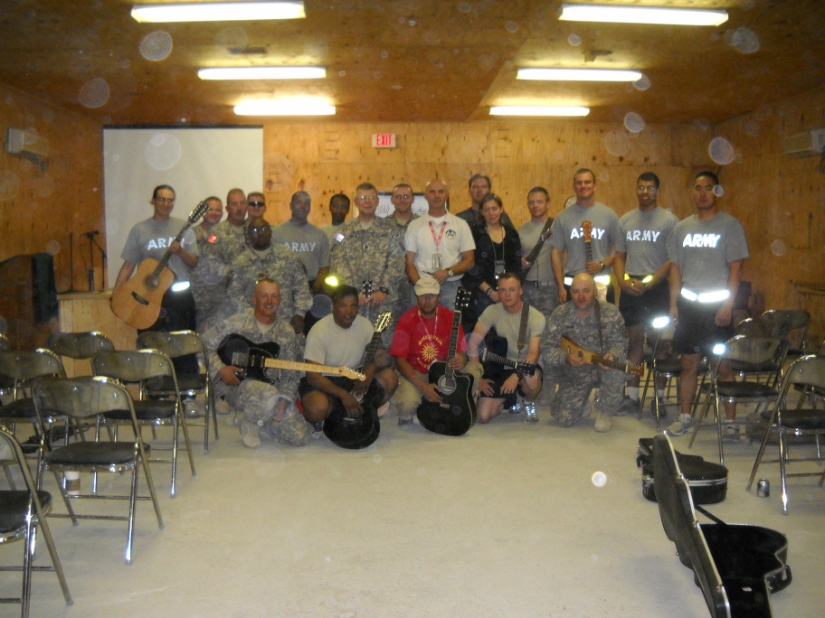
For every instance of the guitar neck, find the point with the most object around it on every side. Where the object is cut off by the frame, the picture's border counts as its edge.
(501, 360)
(454, 334)
(588, 250)
(545, 234)
(593, 358)
(274, 363)
(369, 357)
(168, 255)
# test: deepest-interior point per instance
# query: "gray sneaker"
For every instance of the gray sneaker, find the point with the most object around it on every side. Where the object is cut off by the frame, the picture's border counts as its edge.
(680, 426)
(628, 406)
(730, 433)
(517, 408)
(530, 410)
(250, 435)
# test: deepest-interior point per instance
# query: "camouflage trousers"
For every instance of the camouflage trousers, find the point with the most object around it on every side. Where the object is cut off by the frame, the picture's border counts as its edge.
(407, 397)
(257, 403)
(575, 383)
(545, 299)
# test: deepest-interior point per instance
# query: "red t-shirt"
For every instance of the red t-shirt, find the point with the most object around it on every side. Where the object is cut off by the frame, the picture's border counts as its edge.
(420, 341)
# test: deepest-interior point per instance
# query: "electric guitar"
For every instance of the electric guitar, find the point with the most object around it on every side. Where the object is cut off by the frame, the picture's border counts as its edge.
(254, 358)
(137, 301)
(571, 347)
(455, 414)
(359, 432)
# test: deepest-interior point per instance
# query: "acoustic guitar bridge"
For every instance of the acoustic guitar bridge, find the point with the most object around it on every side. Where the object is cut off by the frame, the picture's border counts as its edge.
(139, 298)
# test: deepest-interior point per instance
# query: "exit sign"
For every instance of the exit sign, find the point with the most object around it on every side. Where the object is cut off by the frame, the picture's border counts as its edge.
(383, 140)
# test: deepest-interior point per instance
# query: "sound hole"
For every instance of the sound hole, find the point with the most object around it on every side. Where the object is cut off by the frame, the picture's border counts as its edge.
(446, 385)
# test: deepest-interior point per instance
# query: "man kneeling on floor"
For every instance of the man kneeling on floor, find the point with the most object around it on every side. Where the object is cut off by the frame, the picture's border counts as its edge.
(596, 326)
(340, 340)
(264, 407)
(422, 337)
(522, 327)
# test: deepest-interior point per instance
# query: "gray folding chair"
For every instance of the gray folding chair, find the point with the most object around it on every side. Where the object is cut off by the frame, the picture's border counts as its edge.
(753, 351)
(792, 324)
(809, 372)
(79, 346)
(84, 399)
(176, 344)
(21, 512)
(148, 369)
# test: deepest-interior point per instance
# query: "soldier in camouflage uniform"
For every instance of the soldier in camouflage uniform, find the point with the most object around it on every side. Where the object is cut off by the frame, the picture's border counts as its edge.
(263, 257)
(204, 300)
(224, 242)
(403, 198)
(266, 409)
(369, 249)
(576, 320)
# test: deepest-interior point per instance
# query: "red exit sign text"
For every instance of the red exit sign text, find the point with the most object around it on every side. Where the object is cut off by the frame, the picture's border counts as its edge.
(383, 140)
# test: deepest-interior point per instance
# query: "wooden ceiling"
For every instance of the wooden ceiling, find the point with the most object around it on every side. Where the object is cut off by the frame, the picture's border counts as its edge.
(413, 60)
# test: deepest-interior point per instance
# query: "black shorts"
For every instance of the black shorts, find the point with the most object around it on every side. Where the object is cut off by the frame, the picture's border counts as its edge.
(642, 309)
(497, 381)
(696, 330)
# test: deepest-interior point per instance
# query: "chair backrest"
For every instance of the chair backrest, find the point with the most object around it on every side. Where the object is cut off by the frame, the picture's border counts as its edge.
(24, 365)
(7, 439)
(806, 371)
(80, 397)
(783, 322)
(753, 328)
(758, 351)
(79, 345)
(174, 344)
(133, 365)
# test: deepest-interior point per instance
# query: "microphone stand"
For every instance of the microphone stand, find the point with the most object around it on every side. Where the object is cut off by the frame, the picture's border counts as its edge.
(71, 263)
(91, 273)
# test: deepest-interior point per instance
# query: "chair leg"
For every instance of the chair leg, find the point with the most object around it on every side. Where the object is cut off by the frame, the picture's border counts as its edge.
(66, 500)
(699, 416)
(28, 556)
(130, 527)
(151, 483)
(759, 455)
(783, 477)
(58, 567)
(187, 442)
(717, 409)
(650, 371)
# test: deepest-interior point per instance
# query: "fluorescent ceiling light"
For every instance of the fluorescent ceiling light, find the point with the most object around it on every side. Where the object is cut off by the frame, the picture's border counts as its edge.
(580, 75)
(218, 11)
(537, 110)
(285, 107)
(263, 73)
(642, 15)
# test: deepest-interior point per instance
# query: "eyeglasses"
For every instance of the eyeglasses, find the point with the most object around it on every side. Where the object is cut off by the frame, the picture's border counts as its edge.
(165, 200)
(256, 204)
(367, 198)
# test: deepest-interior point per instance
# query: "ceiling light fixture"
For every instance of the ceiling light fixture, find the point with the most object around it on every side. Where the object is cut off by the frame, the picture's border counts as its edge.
(285, 107)
(580, 75)
(642, 15)
(218, 11)
(225, 73)
(538, 110)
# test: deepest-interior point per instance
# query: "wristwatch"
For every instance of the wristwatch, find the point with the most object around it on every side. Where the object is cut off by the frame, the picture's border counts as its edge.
(384, 290)
(602, 265)
(450, 272)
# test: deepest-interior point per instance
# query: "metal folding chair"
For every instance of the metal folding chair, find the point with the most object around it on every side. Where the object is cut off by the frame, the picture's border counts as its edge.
(753, 351)
(83, 399)
(21, 512)
(792, 324)
(79, 346)
(148, 369)
(809, 372)
(176, 344)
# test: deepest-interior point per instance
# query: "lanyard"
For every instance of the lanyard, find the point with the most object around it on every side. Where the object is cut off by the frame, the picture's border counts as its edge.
(440, 236)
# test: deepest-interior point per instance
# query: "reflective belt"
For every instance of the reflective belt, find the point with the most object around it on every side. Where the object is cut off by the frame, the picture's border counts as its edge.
(604, 279)
(180, 286)
(645, 279)
(717, 296)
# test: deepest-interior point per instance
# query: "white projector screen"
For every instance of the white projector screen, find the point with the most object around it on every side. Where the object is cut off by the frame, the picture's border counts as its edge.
(196, 162)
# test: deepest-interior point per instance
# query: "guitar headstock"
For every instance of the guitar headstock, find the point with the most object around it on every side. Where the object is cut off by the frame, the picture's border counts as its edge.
(526, 369)
(587, 228)
(198, 212)
(352, 374)
(383, 322)
(638, 370)
(462, 299)
(368, 288)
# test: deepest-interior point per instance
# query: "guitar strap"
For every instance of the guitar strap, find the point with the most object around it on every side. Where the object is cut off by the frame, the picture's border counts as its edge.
(598, 309)
(522, 327)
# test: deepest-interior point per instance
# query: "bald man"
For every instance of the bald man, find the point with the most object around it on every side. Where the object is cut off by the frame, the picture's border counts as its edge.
(579, 320)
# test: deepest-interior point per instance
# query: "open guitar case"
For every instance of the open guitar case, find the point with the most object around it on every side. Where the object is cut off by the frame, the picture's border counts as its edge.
(708, 481)
(737, 566)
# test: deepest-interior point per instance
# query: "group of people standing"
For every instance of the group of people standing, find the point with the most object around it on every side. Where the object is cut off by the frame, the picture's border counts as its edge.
(547, 282)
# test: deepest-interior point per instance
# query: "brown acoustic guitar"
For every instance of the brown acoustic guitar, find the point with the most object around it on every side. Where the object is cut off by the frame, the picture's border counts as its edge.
(571, 347)
(137, 301)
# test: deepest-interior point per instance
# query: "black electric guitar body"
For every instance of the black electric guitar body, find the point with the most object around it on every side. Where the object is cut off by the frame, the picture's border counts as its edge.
(455, 414)
(359, 432)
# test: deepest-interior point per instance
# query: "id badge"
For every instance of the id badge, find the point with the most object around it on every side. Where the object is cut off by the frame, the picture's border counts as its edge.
(499, 268)
(436, 262)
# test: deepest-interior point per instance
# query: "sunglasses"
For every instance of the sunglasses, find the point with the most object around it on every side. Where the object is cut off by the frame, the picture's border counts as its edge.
(256, 204)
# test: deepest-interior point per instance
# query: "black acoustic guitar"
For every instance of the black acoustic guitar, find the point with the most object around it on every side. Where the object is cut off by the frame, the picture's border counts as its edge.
(359, 432)
(455, 414)
(255, 358)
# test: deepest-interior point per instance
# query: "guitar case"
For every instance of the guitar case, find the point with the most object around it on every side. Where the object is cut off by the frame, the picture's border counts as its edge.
(708, 481)
(355, 433)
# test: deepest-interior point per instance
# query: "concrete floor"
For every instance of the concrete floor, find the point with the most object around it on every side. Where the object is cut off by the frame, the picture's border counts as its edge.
(502, 522)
